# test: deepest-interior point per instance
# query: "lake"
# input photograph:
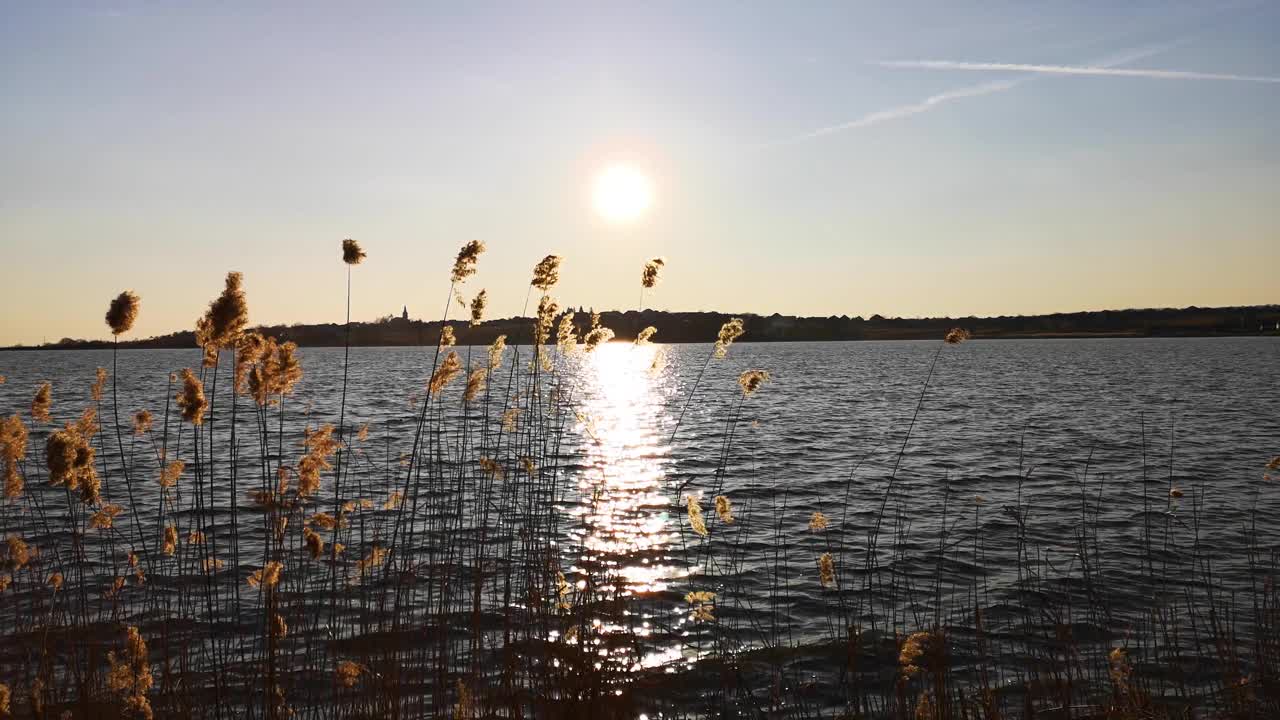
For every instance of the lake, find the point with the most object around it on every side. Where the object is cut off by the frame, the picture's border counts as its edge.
(1098, 475)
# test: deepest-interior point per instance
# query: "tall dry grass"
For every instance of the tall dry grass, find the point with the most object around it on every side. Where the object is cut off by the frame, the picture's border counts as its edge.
(239, 556)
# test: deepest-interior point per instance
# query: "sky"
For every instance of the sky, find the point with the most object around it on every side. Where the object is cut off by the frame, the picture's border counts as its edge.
(812, 158)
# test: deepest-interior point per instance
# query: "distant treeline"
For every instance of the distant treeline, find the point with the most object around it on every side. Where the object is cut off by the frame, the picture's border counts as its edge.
(681, 327)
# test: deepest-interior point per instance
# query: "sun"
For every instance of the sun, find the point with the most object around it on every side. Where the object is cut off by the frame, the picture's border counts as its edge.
(622, 194)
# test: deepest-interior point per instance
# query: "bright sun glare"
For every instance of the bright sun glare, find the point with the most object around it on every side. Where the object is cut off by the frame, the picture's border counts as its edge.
(622, 193)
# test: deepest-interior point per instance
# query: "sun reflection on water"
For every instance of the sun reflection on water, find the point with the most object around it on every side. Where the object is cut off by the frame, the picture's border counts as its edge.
(621, 517)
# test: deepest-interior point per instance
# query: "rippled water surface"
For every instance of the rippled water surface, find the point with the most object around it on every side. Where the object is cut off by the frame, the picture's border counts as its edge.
(1050, 426)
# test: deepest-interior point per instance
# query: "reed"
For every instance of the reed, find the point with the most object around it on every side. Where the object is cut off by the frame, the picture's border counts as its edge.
(472, 559)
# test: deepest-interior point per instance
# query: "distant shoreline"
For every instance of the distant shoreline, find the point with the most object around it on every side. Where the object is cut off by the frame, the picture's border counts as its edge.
(702, 327)
(1075, 336)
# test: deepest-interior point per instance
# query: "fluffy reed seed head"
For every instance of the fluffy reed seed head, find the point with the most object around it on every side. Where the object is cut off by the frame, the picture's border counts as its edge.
(13, 448)
(446, 337)
(288, 369)
(142, 421)
(826, 570)
(955, 336)
(88, 425)
(266, 576)
(921, 648)
(818, 521)
(170, 544)
(17, 553)
(464, 266)
(99, 384)
(751, 380)
(349, 673)
(509, 417)
(724, 509)
(492, 467)
(123, 312)
(377, 555)
(352, 254)
(42, 403)
(170, 474)
(250, 349)
(496, 349)
(729, 332)
(597, 337)
(567, 335)
(191, 399)
(475, 383)
(69, 458)
(478, 304)
(659, 364)
(320, 445)
(5, 699)
(225, 320)
(325, 521)
(130, 675)
(315, 543)
(277, 371)
(546, 273)
(642, 338)
(105, 517)
(649, 275)
(547, 310)
(448, 370)
(696, 520)
(703, 602)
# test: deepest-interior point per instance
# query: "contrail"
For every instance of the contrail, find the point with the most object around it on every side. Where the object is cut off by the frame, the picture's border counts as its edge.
(968, 91)
(904, 110)
(1074, 70)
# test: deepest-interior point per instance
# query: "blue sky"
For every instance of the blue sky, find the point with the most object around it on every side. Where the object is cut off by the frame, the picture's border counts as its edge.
(155, 146)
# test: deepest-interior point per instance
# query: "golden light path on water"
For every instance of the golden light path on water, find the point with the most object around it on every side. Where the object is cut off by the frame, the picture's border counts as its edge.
(621, 517)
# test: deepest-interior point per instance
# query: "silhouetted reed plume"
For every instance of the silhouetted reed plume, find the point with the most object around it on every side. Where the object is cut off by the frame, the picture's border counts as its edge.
(729, 332)
(42, 403)
(478, 304)
(464, 266)
(225, 320)
(122, 312)
(751, 380)
(191, 400)
(448, 370)
(352, 254)
(546, 273)
(649, 275)
(13, 447)
(547, 310)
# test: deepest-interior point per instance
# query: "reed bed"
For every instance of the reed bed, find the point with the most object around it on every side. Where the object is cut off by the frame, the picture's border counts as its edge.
(232, 554)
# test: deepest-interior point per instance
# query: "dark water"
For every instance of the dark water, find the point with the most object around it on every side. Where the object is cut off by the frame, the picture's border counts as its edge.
(1054, 428)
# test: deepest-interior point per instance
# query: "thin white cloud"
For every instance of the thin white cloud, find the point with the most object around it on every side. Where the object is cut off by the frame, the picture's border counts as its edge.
(1074, 70)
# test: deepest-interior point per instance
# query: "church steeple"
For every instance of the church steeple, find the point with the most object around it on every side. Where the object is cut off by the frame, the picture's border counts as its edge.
(405, 314)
